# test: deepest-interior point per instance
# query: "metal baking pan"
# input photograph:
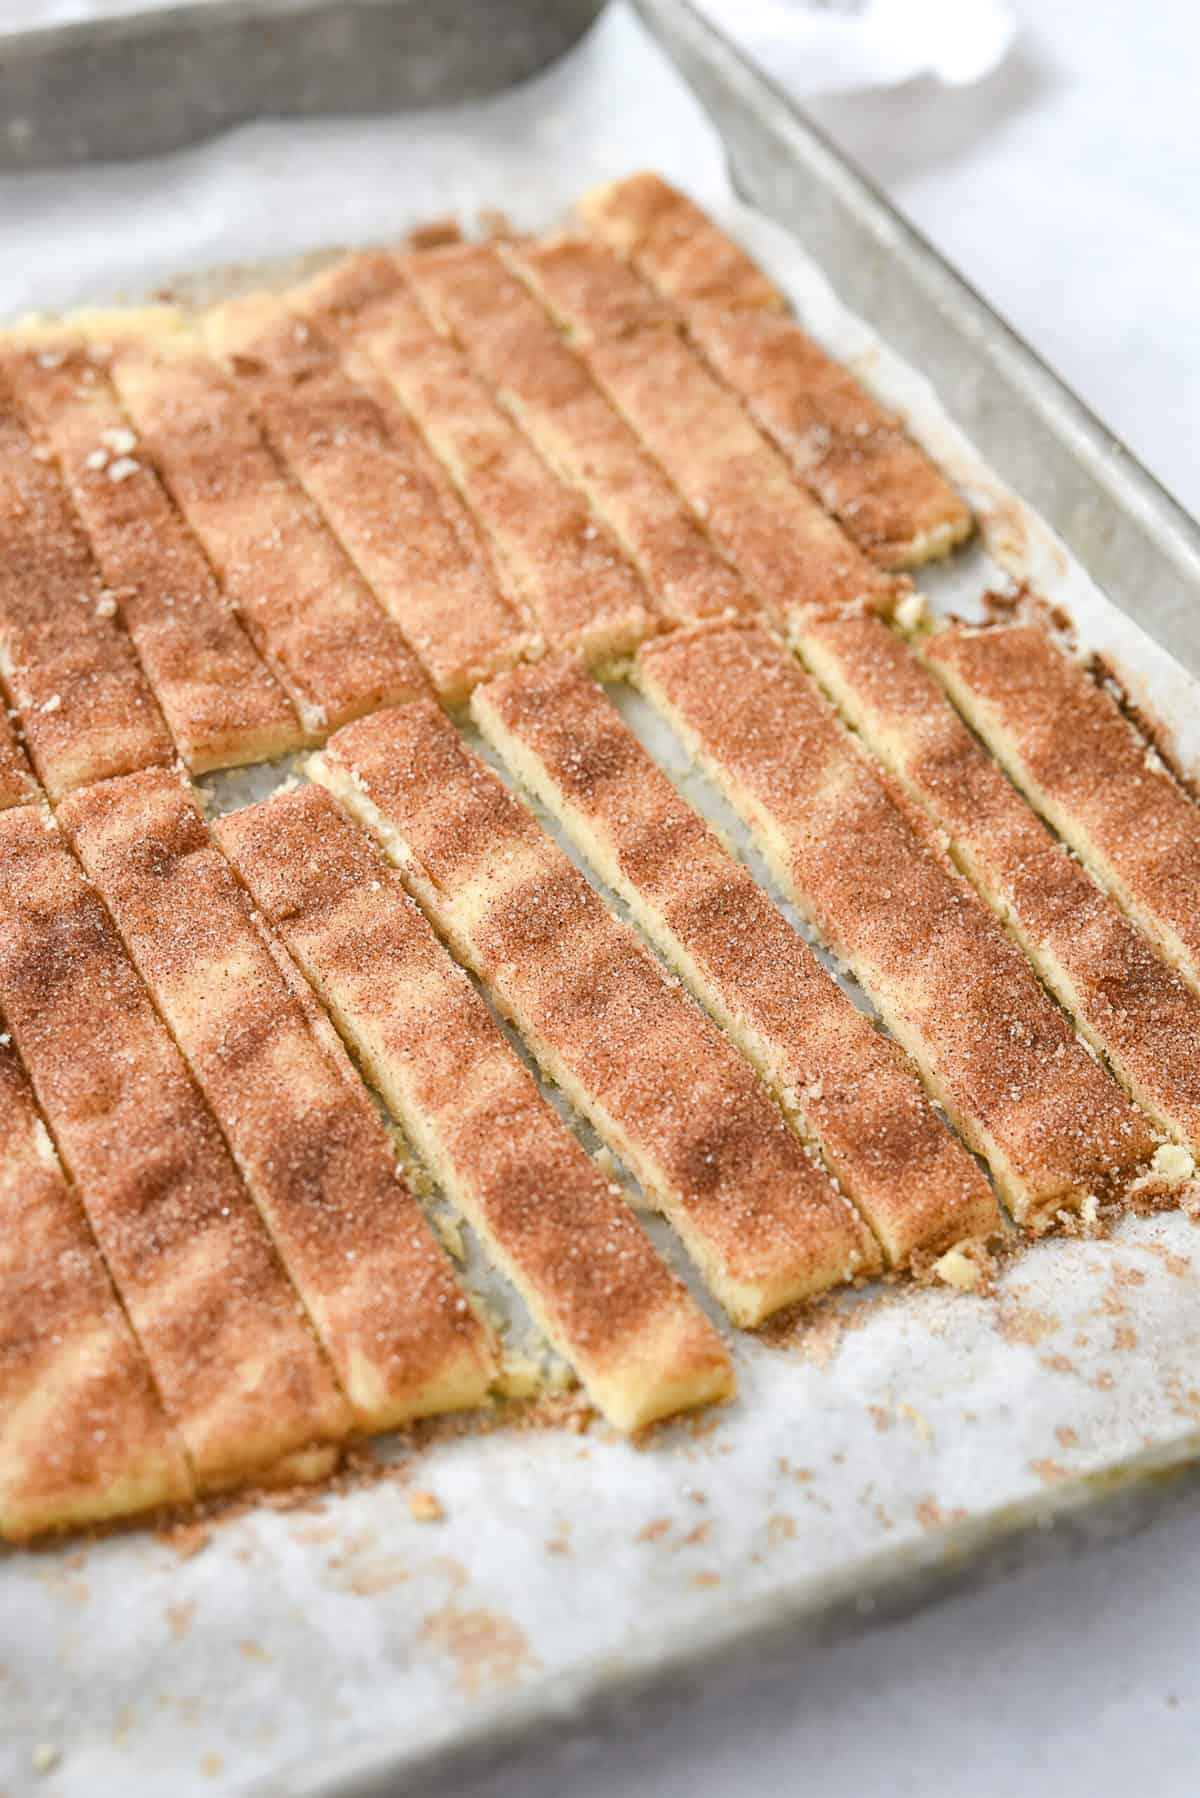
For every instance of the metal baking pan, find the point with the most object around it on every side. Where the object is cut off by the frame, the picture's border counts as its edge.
(140, 82)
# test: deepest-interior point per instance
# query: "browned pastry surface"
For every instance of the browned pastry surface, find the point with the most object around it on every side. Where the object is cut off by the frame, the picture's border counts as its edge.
(1127, 1000)
(857, 458)
(1066, 742)
(865, 469)
(657, 1079)
(82, 1434)
(17, 784)
(560, 562)
(847, 1086)
(398, 517)
(552, 1221)
(993, 1047)
(470, 293)
(231, 1354)
(398, 1329)
(784, 544)
(335, 651)
(83, 702)
(676, 244)
(220, 701)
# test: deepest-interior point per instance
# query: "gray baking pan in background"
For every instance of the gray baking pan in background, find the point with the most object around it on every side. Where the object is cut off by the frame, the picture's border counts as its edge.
(146, 80)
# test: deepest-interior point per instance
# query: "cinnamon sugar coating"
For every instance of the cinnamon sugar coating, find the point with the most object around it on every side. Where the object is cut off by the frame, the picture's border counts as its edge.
(365, 466)
(863, 467)
(70, 671)
(470, 293)
(17, 784)
(676, 245)
(239, 1373)
(82, 1434)
(220, 701)
(784, 545)
(884, 491)
(1067, 744)
(334, 651)
(553, 1222)
(396, 1325)
(656, 1078)
(554, 557)
(846, 1086)
(956, 992)
(1131, 1005)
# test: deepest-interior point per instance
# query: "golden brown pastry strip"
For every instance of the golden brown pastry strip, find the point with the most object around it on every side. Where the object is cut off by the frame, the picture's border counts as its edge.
(991, 1045)
(84, 705)
(845, 1085)
(220, 701)
(425, 1039)
(785, 545)
(470, 293)
(394, 511)
(239, 1373)
(857, 458)
(676, 245)
(333, 650)
(1068, 746)
(554, 556)
(657, 1079)
(398, 1329)
(17, 784)
(1126, 1000)
(82, 1434)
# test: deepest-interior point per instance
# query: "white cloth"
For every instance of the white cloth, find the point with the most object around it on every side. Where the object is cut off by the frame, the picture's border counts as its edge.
(814, 48)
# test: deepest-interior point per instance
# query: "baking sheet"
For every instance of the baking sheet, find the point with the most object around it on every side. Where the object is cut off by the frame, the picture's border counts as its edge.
(295, 1650)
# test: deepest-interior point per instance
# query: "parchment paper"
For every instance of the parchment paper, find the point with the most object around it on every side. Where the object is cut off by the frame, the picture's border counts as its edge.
(296, 1645)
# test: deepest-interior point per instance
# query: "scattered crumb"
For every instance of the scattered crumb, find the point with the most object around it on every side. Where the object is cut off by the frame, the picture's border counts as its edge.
(212, 1765)
(425, 1507)
(488, 1651)
(1067, 1437)
(179, 1616)
(654, 1530)
(1173, 1163)
(1049, 1472)
(706, 1579)
(780, 1529)
(46, 1757)
(962, 1267)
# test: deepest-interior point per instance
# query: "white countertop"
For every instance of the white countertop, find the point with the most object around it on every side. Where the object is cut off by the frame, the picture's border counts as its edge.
(1067, 189)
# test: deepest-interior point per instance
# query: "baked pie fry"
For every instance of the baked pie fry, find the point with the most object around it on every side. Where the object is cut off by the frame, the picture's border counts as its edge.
(398, 1329)
(675, 245)
(846, 1087)
(1127, 1001)
(993, 1048)
(1066, 743)
(378, 487)
(332, 649)
(84, 706)
(221, 703)
(82, 1434)
(656, 1078)
(471, 294)
(857, 458)
(239, 1373)
(558, 560)
(553, 1222)
(794, 556)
